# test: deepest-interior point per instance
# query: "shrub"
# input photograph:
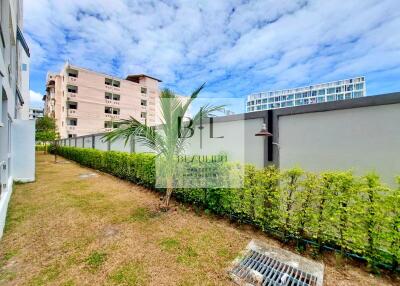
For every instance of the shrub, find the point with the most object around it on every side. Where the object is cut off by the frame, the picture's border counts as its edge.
(357, 215)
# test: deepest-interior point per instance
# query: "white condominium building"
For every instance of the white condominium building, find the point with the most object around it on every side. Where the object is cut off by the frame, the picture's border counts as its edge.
(323, 92)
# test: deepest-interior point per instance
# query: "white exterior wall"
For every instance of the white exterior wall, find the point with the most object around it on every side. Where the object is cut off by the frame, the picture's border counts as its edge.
(24, 150)
(17, 134)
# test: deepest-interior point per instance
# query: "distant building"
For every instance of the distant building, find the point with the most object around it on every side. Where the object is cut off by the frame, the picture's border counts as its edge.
(86, 102)
(17, 132)
(323, 92)
(35, 113)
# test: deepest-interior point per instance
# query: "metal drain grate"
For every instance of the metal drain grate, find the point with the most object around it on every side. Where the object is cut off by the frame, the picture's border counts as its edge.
(263, 265)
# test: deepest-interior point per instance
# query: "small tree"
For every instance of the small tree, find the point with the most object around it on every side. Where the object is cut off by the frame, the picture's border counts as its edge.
(168, 140)
(45, 130)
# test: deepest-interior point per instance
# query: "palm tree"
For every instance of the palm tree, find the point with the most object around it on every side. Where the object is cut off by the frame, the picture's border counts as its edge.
(168, 139)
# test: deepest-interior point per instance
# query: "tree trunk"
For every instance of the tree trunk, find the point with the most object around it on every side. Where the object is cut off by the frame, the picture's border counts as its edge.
(55, 151)
(168, 193)
(45, 148)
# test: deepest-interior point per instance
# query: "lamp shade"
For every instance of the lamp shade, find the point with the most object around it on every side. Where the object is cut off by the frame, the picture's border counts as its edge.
(263, 131)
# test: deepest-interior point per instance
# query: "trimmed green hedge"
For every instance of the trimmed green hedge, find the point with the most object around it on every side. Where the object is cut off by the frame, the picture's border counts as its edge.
(40, 147)
(357, 215)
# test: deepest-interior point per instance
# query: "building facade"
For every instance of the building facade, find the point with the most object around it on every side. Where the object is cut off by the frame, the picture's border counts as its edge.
(17, 132)
(86, 102)
(318, 93)
(35, 113)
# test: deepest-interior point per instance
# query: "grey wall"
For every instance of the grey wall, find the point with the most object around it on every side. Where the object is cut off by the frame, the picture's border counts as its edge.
(361, 134)
(363, 139)
(239, 141)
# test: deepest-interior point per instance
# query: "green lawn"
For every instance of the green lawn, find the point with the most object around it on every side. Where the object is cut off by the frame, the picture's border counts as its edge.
(67, 230)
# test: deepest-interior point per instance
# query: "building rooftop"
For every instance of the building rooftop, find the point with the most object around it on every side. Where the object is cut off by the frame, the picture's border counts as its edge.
(136, 77)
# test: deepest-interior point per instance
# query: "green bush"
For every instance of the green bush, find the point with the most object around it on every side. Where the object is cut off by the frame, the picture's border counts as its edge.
(354, 214)
(40, 147)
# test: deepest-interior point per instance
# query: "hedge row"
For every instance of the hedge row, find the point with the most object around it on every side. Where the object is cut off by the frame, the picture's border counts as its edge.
(40, 148)
(358, 215)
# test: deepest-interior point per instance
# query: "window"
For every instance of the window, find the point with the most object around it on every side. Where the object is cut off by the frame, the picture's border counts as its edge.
(358, 94)
(72, 88)
(330, 98)
(108, 110)
(314, 93)
(72, 73)
(320, 99)
(258, 101)
(107, 124)
(72, 105)
(116, 83)
(289, 103)
(2, 42)
(331, 90)
(290, 97)
(143, 115)
(143, 89)
(116, 97)
(143, 102)
(338, 89)
(115, 111)
(340, 96)
(265, 100)
(321, 92)
(115, 124)
(359, 86)
(347, 95)
(24, 67)
(72, 122)
(108, 81)
(349, 87)
(108, 95)
(298, 95)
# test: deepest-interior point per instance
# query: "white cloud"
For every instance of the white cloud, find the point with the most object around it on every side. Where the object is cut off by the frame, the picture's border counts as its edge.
(35, 99)
(236, 46)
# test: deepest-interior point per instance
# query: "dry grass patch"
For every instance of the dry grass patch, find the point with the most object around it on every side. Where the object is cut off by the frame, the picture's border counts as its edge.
(63, 230)
(130, 274)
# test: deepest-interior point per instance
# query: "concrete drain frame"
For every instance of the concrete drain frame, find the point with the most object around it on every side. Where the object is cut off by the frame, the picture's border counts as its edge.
(260, 264)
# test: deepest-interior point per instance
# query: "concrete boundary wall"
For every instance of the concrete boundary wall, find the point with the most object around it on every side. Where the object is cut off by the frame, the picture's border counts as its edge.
(361, 134)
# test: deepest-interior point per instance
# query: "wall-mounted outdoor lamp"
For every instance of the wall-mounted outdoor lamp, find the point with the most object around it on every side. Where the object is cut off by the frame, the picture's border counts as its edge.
(263, 131)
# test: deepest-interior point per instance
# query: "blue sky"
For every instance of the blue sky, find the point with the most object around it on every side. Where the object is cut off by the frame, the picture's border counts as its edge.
(237, 47)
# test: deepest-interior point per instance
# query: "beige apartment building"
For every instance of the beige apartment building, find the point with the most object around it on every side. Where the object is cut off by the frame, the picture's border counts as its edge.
(86, 102)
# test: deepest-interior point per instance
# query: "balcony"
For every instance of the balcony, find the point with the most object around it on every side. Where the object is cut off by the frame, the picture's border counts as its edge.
(71, 112)
(71, 95)
(72, 79)
(112, 102)
(112, 116)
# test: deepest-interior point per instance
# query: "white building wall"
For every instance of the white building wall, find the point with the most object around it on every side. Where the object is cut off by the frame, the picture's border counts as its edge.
(15, 132)
(23, 150)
